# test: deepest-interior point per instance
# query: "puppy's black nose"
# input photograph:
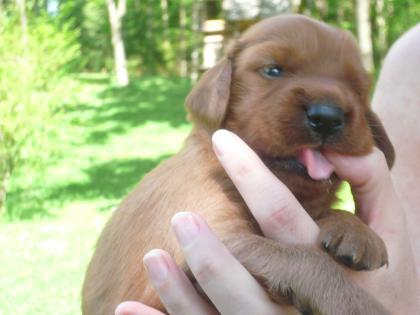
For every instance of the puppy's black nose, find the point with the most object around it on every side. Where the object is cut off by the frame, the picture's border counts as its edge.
(325, 120)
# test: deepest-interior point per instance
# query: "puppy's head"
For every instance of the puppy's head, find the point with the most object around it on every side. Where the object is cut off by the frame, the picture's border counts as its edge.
(292, 87)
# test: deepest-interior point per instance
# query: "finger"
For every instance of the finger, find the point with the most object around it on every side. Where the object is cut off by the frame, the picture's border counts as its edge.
(226, 282)
(376, 201)
(276, 210)
(173, 287)
(135, 308)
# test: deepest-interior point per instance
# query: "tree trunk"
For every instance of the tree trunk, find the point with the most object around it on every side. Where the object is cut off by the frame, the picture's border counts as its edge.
(183, 65)
(364, 33)
(322, 7)
(116, 14)
(35, 7)
(340, 15)
(167, 50)
(21, 5)
(150, 59)
(165, 18)
(4, 183)
(296, 5)
(381, 26)
(195, 56)
(1, 12)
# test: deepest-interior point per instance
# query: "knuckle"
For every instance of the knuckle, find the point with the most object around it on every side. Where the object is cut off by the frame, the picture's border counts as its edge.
(177, 306)
(280, 217)
(173, 297)
(241, 171)
(206, 270)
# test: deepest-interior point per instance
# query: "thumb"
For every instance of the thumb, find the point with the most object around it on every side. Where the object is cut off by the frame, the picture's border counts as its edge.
(376, 200)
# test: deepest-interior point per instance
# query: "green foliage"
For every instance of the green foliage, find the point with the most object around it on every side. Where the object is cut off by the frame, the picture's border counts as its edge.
(400, 15)
(154, 47)
(397, 15)
(31, 66)
(150, 47)
(90, 21)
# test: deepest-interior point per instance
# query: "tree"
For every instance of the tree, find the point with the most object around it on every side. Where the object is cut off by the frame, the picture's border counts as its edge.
(166, 45)
(364, 33)
(195, 55)
(165, 21)
(21, 5)
(116, 13)
(30, 95)
(183, 64)
(379, 30)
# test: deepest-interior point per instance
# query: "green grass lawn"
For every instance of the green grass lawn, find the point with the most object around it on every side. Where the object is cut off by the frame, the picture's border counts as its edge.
(110, 138)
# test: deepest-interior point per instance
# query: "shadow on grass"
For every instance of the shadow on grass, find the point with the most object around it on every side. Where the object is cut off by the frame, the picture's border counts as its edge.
(110, 180)
(26, 204)
(146, 99)
(93, 78)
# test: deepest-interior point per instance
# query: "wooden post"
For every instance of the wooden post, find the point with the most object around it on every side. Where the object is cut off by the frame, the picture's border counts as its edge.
(213, 37)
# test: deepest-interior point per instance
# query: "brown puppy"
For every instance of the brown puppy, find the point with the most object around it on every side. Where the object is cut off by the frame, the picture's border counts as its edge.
(290, 87)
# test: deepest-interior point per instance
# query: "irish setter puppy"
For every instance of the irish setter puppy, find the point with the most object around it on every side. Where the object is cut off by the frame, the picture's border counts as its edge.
(290, 87)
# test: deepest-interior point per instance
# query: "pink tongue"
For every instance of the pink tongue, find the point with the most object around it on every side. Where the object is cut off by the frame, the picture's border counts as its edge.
(316, 164)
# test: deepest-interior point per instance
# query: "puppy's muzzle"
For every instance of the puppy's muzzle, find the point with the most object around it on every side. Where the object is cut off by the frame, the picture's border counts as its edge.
(324, 119)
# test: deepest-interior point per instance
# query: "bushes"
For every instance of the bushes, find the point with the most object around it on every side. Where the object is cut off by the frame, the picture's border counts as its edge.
(30, 70)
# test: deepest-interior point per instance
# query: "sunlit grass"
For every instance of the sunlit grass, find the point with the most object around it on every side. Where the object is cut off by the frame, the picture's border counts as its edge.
(345, 198)
(43, 262)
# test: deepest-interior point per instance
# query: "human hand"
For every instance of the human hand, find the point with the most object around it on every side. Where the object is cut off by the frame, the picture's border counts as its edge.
(231, 288)
(396, 286)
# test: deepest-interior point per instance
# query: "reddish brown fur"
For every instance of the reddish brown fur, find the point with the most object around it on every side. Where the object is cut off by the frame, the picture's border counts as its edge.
(321, 63)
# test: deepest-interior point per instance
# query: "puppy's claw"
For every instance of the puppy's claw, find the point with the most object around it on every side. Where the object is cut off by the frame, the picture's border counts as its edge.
(348, 260)
(331, 242)
(326, 244)
(352, 242)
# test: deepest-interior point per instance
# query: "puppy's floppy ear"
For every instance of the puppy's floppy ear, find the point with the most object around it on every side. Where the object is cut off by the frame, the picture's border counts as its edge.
(381, 138)
(207, 102)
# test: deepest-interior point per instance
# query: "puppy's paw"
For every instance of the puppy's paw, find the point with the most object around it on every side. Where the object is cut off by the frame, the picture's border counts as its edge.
(352, 242)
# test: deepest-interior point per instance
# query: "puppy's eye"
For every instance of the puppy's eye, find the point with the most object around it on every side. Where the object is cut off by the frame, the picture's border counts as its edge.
(272, 71)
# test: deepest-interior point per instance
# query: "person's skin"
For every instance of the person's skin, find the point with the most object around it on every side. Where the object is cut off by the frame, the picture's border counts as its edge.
(231, 288)
(397, 102)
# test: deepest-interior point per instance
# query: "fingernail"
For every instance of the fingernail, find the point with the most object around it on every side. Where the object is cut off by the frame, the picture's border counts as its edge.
(127, 308)
(156, 266)
(186, 227)
(222, 141)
